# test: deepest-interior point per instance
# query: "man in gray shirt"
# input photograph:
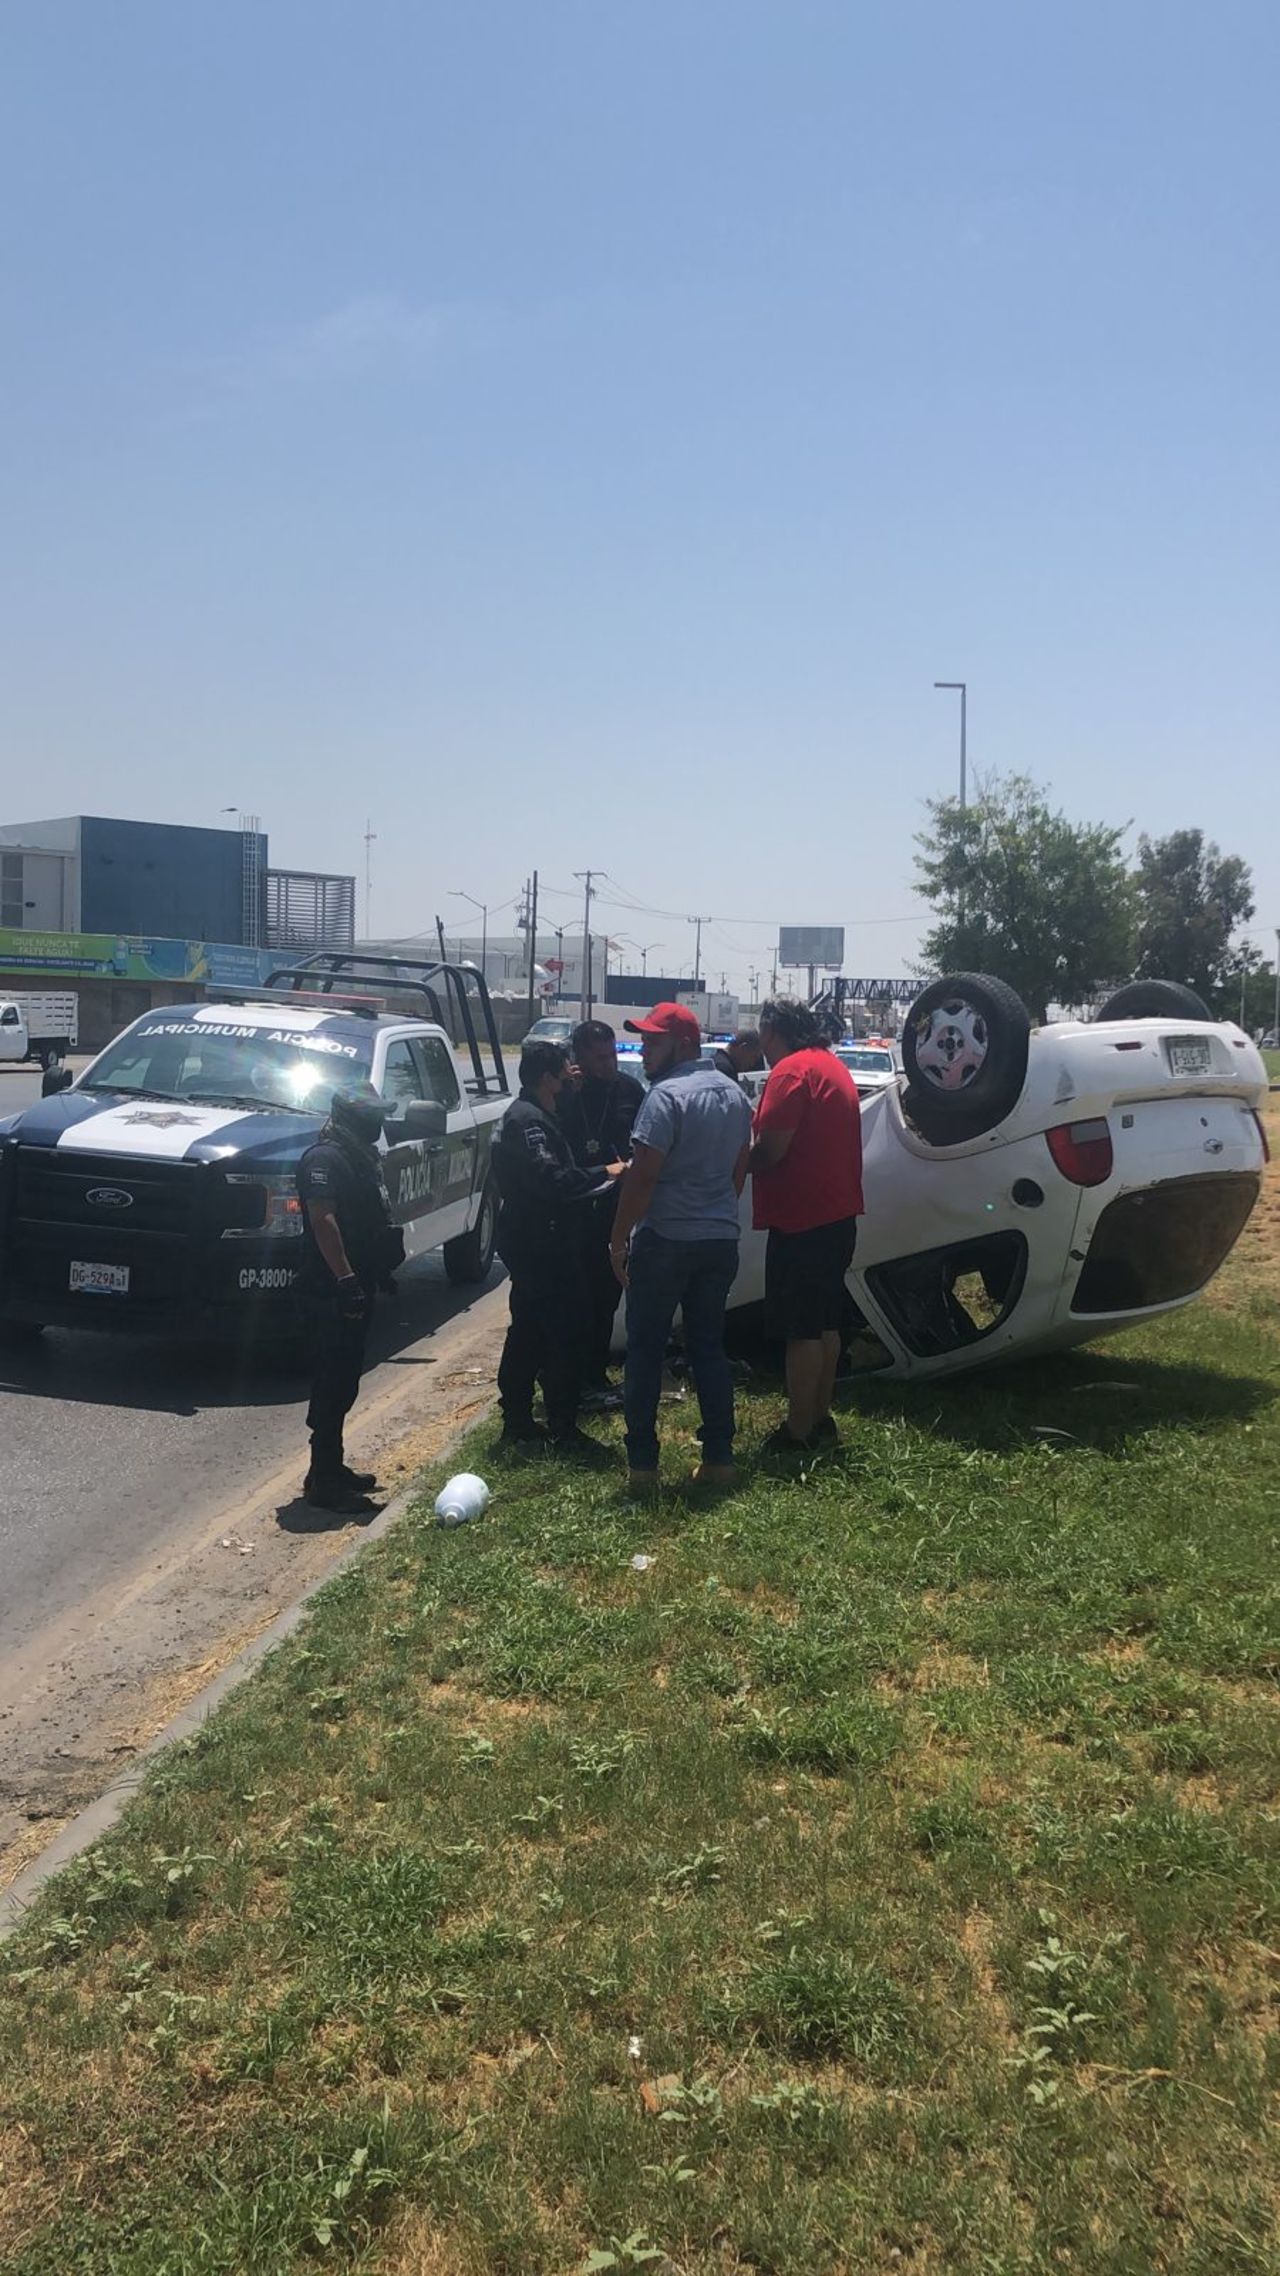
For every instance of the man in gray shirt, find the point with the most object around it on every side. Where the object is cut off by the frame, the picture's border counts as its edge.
(675, 1237)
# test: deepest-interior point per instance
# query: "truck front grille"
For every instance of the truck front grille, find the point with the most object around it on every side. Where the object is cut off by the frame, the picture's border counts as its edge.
(103, 1193)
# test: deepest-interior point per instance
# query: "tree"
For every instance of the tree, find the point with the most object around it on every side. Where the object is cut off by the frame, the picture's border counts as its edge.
(1019, 891)
(1191, 898)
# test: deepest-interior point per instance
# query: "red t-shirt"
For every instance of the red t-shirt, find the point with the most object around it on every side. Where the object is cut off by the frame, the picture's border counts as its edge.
(819, 1179)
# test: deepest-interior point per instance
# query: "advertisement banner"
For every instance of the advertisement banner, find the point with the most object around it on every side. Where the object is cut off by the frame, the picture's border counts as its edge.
(107, 956)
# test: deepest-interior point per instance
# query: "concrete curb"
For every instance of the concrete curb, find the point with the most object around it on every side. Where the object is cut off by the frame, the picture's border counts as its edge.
(99, 1816)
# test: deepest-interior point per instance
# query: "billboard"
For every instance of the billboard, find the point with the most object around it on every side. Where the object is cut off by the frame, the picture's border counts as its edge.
(113, 956)
(811, 944)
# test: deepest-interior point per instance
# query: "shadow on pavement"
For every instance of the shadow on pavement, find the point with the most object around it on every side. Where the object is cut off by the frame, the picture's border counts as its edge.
(297, 1516)
(155, 1376)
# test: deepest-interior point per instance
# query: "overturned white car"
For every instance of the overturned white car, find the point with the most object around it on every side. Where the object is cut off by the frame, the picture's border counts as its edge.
(1026, 1190)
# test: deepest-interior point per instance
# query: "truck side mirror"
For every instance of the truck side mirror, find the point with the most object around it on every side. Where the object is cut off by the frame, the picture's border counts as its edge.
(55, 1079)
(420, 1118)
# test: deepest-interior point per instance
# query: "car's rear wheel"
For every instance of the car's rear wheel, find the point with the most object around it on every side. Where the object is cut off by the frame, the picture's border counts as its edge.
(470, 1257)
(1155, 999)
(964, 1048)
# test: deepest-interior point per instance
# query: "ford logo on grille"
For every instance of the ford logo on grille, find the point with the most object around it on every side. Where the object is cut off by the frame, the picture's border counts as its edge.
(109, 1197)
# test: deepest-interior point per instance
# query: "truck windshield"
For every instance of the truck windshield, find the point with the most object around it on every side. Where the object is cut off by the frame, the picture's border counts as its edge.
(226, 1064)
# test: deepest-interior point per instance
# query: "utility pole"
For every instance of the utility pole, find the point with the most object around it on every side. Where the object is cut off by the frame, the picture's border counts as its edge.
(559, 962)
(586, 875)
(531, 941)
(370, 834)
(1244, 975)
(698, 923)
(1275, 1016)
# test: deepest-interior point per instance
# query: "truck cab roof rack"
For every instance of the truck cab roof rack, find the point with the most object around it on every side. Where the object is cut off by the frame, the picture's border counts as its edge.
(453, 994)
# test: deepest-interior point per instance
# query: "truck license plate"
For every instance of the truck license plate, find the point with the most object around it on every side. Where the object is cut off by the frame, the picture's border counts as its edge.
(1191, 1058)
(100, 1279)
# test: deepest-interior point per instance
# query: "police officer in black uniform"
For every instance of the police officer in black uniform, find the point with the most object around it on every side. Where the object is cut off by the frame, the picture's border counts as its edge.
(595, 1110)
(351, 1247)
(543, 1192)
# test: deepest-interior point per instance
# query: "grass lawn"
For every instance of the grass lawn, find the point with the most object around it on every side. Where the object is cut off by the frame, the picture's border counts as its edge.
(882, 1880)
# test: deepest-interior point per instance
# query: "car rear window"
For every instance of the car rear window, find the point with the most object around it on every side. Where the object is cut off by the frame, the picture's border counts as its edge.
(1164, 1243)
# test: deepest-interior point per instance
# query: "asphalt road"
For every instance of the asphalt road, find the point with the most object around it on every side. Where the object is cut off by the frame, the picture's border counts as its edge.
(150, 1516)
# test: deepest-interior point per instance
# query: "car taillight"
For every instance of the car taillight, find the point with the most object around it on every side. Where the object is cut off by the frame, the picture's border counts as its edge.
(1082, 1151)
(1262, 1133)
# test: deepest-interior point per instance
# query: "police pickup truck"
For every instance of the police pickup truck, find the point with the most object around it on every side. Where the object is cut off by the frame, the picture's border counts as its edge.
(157, 1192)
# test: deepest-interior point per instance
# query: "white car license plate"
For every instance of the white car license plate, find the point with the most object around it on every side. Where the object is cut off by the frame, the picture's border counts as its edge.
(1190, 1058)
(100, 1279)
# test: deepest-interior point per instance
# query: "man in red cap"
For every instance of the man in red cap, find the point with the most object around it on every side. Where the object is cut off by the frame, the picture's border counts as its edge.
(675, 1237)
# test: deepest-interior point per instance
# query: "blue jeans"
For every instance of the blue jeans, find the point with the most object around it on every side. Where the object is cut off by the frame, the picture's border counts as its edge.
(696, 1275)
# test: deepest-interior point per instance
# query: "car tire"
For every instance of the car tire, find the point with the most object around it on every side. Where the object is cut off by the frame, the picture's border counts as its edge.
(964, 1048)
(470, 1258)
(1154, 999)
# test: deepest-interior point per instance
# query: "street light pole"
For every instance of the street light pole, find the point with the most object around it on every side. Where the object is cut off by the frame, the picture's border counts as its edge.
(962, 686)
(484, 928)
(646, 953)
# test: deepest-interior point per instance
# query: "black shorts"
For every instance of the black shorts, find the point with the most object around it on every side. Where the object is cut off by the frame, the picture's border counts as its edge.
(804, 1293)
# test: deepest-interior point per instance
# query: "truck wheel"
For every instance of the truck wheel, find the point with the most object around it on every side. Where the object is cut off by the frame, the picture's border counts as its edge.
(964, 1047)
(1155, 999)
(470, 1257)
(49, 1056)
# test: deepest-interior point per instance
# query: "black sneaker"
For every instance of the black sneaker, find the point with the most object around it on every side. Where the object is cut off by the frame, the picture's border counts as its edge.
(360, 1481)
(825, 1432)
(782, 1441)
(336, 1495)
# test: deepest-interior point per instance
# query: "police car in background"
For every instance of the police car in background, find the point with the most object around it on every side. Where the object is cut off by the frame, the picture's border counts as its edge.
(873, 1064)
(157, 1192)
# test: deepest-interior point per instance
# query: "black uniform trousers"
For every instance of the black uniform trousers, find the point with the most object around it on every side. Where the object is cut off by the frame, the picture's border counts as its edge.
(337, 1366)
(603, 1287)
(546, 1341)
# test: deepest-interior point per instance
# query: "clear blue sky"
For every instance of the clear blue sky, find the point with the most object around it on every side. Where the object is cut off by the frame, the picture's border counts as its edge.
(575, 434)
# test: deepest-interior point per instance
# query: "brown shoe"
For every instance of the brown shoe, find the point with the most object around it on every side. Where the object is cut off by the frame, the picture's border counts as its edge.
(718, 1474)
(642, 1483)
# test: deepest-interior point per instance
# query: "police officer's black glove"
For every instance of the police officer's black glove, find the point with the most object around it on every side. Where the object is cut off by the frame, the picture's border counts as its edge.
(351, 1297)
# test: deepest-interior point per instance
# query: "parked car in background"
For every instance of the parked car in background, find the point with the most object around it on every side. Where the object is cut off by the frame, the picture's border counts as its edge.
(44, 1027)
(873, 1066)
(553, 1027)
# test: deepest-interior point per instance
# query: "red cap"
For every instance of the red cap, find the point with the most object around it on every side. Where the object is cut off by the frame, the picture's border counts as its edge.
(667, 1019)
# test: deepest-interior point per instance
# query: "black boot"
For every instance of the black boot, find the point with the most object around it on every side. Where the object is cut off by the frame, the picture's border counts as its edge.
(329, 1484)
